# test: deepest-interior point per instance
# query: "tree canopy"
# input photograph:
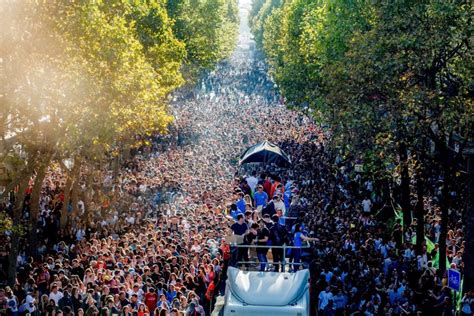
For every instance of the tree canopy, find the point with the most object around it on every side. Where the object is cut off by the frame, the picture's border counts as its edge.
(378, 73)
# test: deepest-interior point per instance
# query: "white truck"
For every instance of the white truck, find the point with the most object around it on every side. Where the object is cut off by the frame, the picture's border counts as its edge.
(250, 293)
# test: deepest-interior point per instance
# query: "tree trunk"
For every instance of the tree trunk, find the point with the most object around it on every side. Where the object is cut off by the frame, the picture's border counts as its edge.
(405, 187)
(75, 196)
(420, 214)
(16, 231)
(88, 195)
(70, 197)
(116, 182)
(75, 191)
(67, 198)
(35, 205)
(444, 207)
(468, 256)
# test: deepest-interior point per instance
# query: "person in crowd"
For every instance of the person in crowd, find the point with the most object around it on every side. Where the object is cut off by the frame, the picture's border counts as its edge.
(240, 202)
(260, 197)
(252, 181)
(325, 297)
(263, 237)
(279, 237)
(298, 240)
(278, 203)
(239, 229)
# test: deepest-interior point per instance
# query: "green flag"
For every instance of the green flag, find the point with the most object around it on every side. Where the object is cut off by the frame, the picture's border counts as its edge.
(398, 215)
(436, 261)
(459, 296)
(429, 244)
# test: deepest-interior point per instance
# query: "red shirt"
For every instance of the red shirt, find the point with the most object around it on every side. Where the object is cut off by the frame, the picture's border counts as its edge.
(210, 291)
(273, 189)
(100, 265)
(267, 186)
(61, 196)
(150, 300)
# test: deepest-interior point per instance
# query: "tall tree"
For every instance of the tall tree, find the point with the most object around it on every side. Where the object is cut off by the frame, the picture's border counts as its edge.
(208, 28)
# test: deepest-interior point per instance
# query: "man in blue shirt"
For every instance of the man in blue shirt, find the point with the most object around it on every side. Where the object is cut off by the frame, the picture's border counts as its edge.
(298, 240)
(260, 197)
(240, 201)
(340, 302)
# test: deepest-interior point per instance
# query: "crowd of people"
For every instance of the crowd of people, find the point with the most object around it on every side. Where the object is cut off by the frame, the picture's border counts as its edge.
(162, 246)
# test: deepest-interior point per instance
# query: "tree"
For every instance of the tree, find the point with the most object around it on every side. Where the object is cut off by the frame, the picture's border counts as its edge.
(208, 28)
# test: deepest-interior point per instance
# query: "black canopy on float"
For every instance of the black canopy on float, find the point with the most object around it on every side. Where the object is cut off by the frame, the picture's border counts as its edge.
(265, 152)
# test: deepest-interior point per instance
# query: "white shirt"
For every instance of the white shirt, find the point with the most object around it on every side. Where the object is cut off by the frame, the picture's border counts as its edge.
(131, 220)
(369, 186)
(13, 303)
(366, 204)
(252, 182)
(196, 248)
(280, 206)
(81, 206)
(422, 262)
(139, 294)
(56, 297)
(29, 302)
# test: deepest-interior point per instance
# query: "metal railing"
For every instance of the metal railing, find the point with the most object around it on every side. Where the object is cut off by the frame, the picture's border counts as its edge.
(283, 262)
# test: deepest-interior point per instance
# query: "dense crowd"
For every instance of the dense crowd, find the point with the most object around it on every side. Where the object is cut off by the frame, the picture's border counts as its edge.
(160, 246)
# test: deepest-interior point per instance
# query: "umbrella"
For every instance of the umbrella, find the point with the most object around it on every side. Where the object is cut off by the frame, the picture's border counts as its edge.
(265, 152)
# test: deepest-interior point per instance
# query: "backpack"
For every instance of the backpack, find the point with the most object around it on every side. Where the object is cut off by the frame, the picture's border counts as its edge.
(283, 234)
(279, 235)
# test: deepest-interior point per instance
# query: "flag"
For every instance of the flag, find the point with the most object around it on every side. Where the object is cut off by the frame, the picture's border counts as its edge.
(429, 244)
(459, 296)
(436, 261)
(398, 215)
